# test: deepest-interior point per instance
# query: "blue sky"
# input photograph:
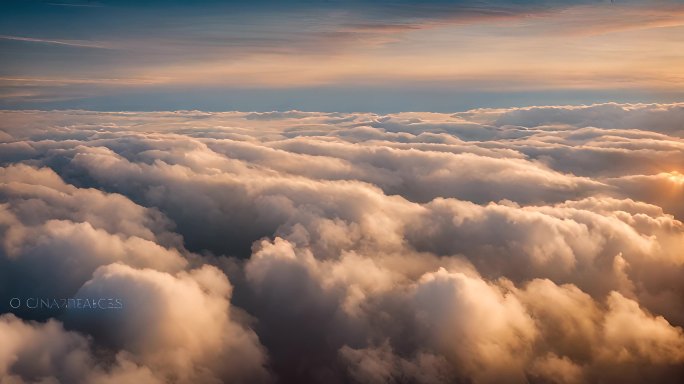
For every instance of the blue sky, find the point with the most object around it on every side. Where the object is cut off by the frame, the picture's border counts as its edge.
(381, 56)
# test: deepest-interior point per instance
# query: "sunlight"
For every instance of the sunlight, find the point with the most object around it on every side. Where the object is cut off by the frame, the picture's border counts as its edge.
(676, 177)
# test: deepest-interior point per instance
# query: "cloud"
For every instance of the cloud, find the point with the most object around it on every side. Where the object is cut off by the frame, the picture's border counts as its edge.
(55, 235)
(63, 356)
(180, 326)
(449, 325)
(69, 43)
(648, 117)
(528, 245)
(60, 241)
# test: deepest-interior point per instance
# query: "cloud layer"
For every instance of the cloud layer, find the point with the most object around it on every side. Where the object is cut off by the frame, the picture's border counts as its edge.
(539, 244)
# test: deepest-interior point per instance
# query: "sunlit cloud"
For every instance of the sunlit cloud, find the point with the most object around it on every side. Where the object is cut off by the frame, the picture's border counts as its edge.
(676, 178)
(514, 244)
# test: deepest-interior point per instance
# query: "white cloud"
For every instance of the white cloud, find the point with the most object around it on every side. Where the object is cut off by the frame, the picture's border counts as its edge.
(524, 245)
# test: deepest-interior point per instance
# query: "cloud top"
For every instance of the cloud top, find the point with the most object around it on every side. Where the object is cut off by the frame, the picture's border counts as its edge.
(538, 244)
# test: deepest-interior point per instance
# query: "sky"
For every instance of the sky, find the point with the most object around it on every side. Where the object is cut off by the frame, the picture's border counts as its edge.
(378, 56)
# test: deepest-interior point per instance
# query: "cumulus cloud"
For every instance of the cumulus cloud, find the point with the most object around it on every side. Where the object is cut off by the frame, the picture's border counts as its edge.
(178, 325)
(60, 241)
(537, 244)
(35, 352)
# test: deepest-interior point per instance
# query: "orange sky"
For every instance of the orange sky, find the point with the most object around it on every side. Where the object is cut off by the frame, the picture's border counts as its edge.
(615, 47)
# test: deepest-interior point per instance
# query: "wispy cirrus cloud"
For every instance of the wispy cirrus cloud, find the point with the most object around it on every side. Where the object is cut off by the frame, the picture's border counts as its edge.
(68, 43)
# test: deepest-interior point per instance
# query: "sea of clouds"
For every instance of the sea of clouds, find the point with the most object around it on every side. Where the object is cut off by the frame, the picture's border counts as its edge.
(540, 245)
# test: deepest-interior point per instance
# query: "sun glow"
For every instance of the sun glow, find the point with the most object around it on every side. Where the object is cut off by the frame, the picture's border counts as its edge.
(676, 177)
